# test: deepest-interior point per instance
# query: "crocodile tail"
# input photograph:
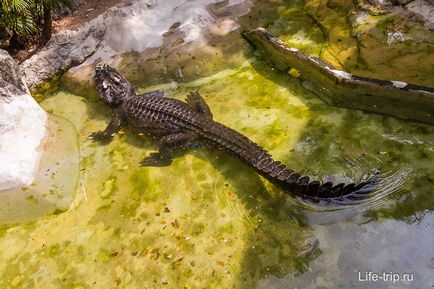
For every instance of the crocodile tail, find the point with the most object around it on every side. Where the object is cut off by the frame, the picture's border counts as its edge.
(317, 190)
(304, 187)
(274, 171)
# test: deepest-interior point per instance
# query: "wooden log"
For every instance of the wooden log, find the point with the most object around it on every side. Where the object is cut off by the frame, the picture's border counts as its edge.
(340, 88)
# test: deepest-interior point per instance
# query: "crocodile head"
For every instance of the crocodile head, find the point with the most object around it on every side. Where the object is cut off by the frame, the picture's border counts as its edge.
(112, 87)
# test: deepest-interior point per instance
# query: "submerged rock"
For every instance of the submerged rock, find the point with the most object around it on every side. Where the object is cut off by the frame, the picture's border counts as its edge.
(425, 9)
(422, 10)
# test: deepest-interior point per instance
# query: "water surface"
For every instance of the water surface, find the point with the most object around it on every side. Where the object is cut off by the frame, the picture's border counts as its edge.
(209, 221)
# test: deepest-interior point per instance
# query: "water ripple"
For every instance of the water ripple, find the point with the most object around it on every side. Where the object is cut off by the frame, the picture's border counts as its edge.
(387, 187)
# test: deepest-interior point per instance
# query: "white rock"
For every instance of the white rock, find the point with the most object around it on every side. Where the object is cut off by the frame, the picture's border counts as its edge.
(142, 25)
(22, 128)
(399, 84)
(341, 73)
(396, 37)
(423, 8)
(67, 48)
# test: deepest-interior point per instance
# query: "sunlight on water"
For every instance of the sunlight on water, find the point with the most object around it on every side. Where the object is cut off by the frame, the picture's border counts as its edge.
(210, 215)
(209, 221)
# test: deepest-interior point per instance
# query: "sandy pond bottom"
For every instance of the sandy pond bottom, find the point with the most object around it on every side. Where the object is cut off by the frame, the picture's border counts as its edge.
(208, 221)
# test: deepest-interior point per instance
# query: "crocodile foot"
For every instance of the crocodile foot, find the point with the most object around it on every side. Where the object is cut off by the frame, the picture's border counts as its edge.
(101, 137)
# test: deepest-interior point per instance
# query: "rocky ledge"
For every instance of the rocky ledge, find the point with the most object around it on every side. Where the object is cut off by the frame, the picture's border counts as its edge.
(22, 127)
(136, 34)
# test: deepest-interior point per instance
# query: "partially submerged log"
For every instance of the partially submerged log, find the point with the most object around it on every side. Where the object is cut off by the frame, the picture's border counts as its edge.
(340, 88)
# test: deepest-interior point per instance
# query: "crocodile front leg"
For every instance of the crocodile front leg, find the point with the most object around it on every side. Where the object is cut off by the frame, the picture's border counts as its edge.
(167, 144)
(113, 127)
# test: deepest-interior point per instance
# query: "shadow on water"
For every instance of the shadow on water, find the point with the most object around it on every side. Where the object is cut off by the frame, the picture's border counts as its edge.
(387, 228)
(337, 146)
(345, 143)
(135, 223)
(278, 241)
(361, 143)
(350, 143)
(402, 151)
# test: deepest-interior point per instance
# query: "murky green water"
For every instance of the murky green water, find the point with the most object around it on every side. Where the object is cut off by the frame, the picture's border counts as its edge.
(208, 221)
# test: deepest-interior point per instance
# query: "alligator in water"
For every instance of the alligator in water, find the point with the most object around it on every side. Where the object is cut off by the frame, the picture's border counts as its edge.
(181, 124)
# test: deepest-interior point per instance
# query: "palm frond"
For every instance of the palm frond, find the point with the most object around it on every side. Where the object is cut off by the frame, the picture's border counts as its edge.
(24, 17)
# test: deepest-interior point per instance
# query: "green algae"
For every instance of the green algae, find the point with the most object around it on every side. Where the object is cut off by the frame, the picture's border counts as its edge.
(208, 221)
(47, 88)
(346, 35)
(208, 214)
(296, 28)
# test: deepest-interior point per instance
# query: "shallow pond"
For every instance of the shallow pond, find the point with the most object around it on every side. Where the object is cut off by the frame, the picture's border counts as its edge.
(209, 221)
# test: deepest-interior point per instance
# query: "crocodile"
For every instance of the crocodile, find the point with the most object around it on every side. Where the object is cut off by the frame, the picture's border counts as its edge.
(182, 124)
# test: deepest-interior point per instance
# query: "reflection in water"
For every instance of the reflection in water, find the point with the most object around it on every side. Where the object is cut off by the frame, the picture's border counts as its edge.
(386, 187)
(352, 247)
(210, 215)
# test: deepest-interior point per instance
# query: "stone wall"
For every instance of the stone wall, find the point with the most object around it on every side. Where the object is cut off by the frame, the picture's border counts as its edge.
(11, 79)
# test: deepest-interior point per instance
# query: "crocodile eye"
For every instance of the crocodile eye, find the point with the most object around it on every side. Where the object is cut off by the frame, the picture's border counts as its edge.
(117, 79)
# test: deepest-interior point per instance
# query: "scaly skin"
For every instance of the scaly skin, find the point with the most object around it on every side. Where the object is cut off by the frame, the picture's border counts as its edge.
(183, 123)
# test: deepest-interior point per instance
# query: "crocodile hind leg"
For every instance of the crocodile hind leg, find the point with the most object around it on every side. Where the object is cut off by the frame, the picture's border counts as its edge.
(196, 101)
(167, 144)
